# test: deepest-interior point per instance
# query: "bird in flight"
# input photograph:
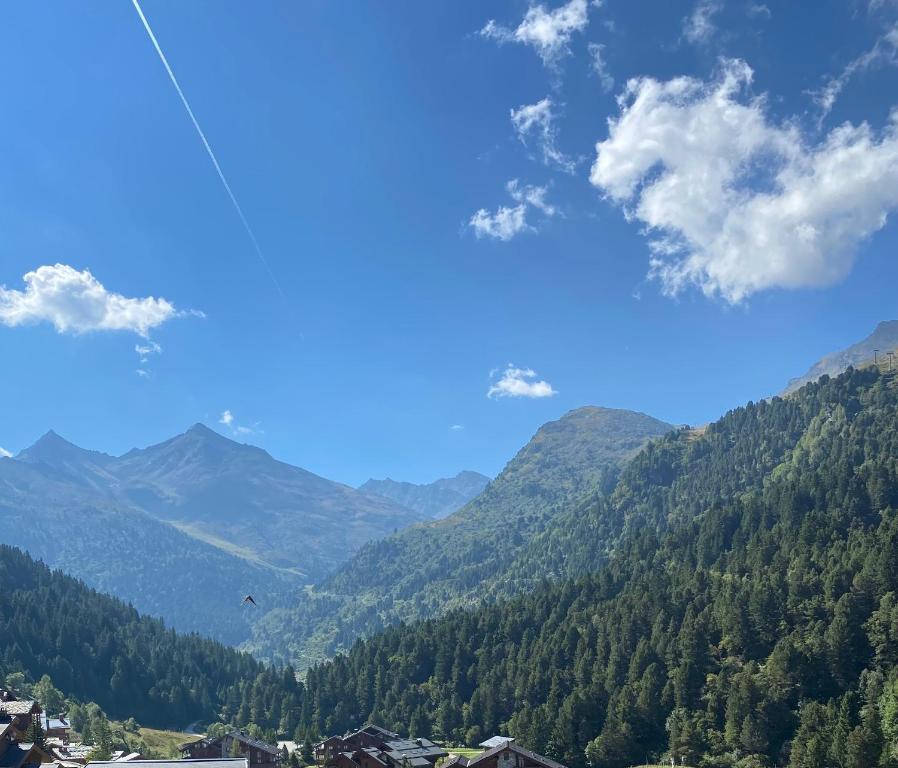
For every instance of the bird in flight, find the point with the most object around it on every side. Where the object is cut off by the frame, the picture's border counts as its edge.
(248, 599)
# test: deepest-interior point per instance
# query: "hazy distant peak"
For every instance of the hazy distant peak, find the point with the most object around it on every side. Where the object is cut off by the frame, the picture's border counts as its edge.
(437, 499)
(883, 339)
(51, 447)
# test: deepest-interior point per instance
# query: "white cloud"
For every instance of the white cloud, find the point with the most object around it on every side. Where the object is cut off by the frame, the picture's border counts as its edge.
(698, 26)
(504, 224)
(530, 195)
(883, 53)
(76, 302)
(519, 382)
(143, 373)
(734, 202)
(509, 221)
(549, 32)
(4, 453)
(456, 428)
(537, 120)
(145, 350)
(228, 420)
(600, 66)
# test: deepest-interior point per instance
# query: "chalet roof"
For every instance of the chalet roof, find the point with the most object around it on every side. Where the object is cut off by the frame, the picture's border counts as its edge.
(526, 753)
(16, 707)
(495, 741)
(23, 753)
(376, 730)
(218, 762)
(246, 739)
(56, 723)
(417, 762)
(409, 748)
(240, 736)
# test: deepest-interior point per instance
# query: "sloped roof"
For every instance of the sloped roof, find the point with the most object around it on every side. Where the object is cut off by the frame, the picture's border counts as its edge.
(219, 762)
(411, 749)
(56, 723)
(376, 730)
(495, 741)
(532, 756)
(23, 753)
(244, 738)
(240, 736)
(17, 707)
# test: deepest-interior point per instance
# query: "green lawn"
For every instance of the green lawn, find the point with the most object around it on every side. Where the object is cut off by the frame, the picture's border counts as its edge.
(165, 742)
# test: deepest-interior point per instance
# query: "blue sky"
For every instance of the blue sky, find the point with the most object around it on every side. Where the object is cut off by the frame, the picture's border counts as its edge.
(735, 222)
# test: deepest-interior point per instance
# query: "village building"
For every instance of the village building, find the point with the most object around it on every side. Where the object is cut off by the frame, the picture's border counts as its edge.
(230, 762)
(503, 754)
(376, 747)
(15, 753)
(18, 713)
(56, 728)
(257, 753)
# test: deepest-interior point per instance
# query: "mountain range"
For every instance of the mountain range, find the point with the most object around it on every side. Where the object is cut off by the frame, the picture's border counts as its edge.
(233, 496)
(724, 596)
(437, 499)
(185, 528)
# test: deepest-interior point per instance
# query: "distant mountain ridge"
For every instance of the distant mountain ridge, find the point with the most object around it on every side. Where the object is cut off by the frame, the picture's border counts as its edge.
(884, 339)
(185, 528)
(232, 495)
(434, 500)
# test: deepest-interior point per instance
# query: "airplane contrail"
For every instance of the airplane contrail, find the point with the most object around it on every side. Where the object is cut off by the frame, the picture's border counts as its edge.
(199, 130)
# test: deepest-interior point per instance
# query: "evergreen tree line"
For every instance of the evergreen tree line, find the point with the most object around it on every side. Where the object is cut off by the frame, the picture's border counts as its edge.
(99, 649)
(739, 607)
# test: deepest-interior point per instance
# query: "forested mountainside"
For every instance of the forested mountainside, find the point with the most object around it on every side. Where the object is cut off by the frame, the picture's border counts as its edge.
(95, 647)
(430, 568)
(434, 500)
(121, 550)
(883, 339)
(748, 614)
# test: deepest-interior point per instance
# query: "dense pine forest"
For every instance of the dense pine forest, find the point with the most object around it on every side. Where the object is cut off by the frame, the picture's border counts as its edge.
(97, 648)
(746, 615)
